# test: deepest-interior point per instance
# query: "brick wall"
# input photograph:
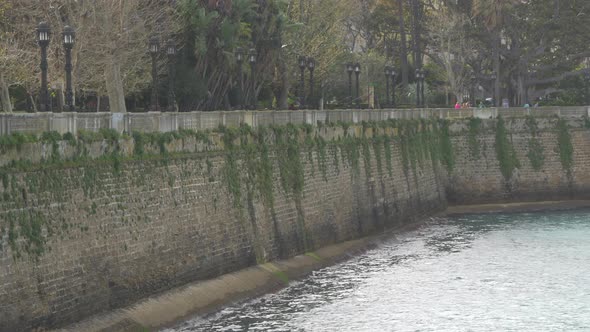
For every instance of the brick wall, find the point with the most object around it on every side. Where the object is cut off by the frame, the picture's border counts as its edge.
(81, 238)
(93, 237)
(477, 178)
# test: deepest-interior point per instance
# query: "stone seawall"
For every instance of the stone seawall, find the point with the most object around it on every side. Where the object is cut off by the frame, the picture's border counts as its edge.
(97, 222)
(546, 161)
(83, 236)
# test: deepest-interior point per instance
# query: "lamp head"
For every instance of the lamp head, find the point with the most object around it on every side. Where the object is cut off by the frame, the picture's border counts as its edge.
(154, 45)
(69, 36)
(43, 34)
(311, 63)
(349, 67)
(252, 55)
(171, 48)
(302, 62)
(239, 54)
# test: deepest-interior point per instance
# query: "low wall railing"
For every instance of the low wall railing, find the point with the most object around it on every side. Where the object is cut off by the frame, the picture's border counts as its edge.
(36, 123)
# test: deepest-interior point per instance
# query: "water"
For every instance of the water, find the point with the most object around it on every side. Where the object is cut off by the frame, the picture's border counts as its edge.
(520, 272)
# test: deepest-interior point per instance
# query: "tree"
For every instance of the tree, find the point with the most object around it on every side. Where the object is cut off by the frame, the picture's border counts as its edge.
(451, 48)
(4, 94)
(492, 14)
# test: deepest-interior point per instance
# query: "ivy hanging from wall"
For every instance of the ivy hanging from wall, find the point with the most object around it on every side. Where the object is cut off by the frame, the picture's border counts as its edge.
(566, 148)
(475, 127)
(505, 150)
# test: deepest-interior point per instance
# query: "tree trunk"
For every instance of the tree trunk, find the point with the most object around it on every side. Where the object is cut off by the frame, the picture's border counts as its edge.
(415, 32)
(403, 46)
(33, 103)
(115, 89)
(5, 95)
(301, 11)
(60, 96)
(283, 100)
(496, 55)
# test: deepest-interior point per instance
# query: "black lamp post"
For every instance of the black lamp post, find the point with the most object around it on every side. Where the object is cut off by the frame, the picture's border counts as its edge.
(154, 49)
(494, 101)
(311, 67)
(422, 76)
(393, 87)
(473, 84)
(69, 38)
(240, 60)
(302, 65)
(350, 70)
(357, 72)
(387, 96)
(43, 38)
(252, 59)
(418, 94)
(171, 52)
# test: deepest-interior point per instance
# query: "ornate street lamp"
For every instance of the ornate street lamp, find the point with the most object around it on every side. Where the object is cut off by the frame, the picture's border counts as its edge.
(43, 39)
(69, 38)
(473, 84)
(311, 67)
(154, 46)
(240, 60)
(494, 77)
(350, 70)
(418, 94)
(387, 75)
(393, 73)
(252, 55)
(171, 52)
(302, 65)
(357, 72)
(422, 77)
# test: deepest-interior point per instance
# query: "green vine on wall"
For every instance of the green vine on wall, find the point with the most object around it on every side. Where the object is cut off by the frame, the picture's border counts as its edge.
(566, 148)
(388, 155)
(247, 171)
(446, 146)
(474, 130)
(505, 150)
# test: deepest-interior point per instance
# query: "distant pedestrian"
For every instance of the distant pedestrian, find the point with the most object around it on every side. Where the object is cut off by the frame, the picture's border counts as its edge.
(457, 106)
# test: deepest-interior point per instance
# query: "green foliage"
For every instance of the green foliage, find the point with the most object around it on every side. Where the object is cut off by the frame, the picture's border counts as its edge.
(248, 170)
(288, 154)
(446, 146)
(505, 150)
(566, 148)
(139, 140)
(53, 138)
(320, 143)
(388, 157)
(15, 140)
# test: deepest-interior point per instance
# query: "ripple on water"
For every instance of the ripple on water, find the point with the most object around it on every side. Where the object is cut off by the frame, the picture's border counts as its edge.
(518, 272)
